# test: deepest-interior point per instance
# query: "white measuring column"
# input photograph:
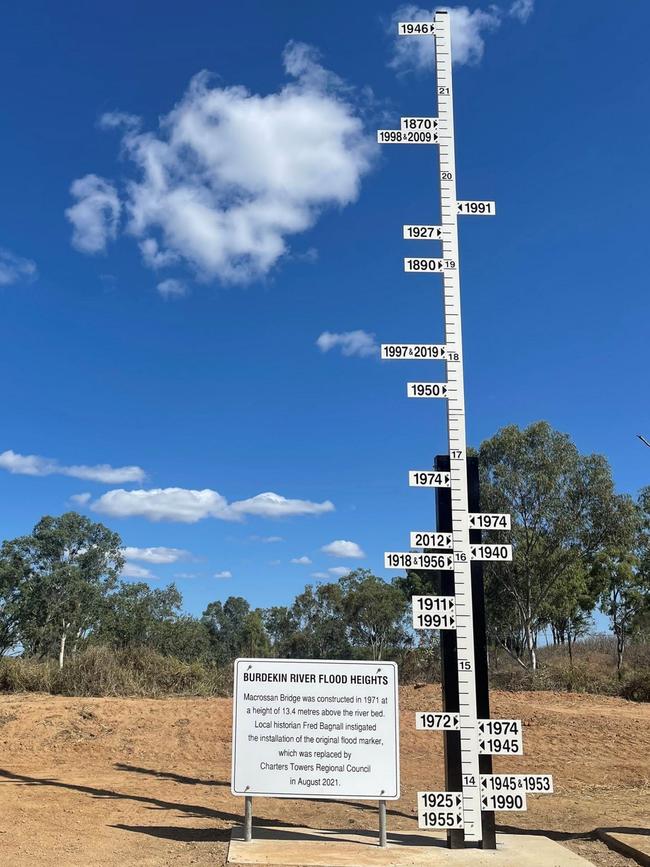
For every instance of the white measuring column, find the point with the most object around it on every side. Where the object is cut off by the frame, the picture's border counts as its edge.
(469, 734)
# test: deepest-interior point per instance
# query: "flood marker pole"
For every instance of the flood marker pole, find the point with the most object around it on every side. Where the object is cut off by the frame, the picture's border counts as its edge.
(248, 819)
(453, 553)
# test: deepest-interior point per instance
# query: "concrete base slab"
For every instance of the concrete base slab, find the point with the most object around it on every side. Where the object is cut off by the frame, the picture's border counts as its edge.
(307, 847)
(635, 843)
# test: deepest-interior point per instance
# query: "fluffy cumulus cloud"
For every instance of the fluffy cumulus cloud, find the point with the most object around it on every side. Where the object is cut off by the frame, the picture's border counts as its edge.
(468, 30)
(301, 561)
(189, 506)
(224, 574)
(95, 214)
(343, 548)
(14, 269)
(158, 554)
(172, 288)
(132, 570)
(230, 175)
(339, 571)
(35, 465)
(349, 342)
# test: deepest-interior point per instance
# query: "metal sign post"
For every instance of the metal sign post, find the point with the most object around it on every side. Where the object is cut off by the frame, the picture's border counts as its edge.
(456, 549)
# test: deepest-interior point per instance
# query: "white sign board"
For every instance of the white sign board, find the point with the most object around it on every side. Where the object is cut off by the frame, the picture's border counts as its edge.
(307, 728)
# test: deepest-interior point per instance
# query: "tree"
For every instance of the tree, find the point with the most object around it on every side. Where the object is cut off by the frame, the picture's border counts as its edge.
(235, 630)
(375, 612)
(564, 513)
(65, 568)
(133, 613)
(625, 572)
(321, 623)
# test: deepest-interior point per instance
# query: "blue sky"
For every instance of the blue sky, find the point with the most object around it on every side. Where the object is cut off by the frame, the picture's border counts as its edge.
(171, 253)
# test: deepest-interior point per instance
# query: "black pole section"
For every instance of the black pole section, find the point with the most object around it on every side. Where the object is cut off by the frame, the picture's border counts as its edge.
(449, 655)
(489, 840)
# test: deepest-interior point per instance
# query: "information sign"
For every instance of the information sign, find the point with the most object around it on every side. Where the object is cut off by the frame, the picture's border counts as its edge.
(316, 729)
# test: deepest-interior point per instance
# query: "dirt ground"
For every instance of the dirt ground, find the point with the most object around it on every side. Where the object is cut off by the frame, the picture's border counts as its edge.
(146, 782)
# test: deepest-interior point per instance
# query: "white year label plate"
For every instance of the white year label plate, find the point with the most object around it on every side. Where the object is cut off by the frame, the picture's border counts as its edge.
(419, 122)
(504, 801)
(490, 552)
(415, 28)
(428, 479)
(407, 136)
(426, 539)
(433, 612)
(488, 521)
(428, 265)
(481, 209)
(426, 389)
(417, 560)
(533, 784)
(423, 351)
(437, 722)
(440, 810)
(422, 233)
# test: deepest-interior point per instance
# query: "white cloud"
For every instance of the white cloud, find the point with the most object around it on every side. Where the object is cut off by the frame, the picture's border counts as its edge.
(266, 540)
(190, 506)
(270, 505)
(173, 288)
(156, 554)
(225, 574)
(131, 570)
(468, 29)
(343, 548)
(522, 10)
(350, 342)
(163, 504)
(81, 499)
(319, 575)
(95, 215)
(339, 571)
(35, 465)
(185, 575)
(230, 174)
(14, 269)
(301, 561)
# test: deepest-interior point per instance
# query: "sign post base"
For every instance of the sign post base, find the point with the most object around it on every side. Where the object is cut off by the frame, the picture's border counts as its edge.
(307, 847)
